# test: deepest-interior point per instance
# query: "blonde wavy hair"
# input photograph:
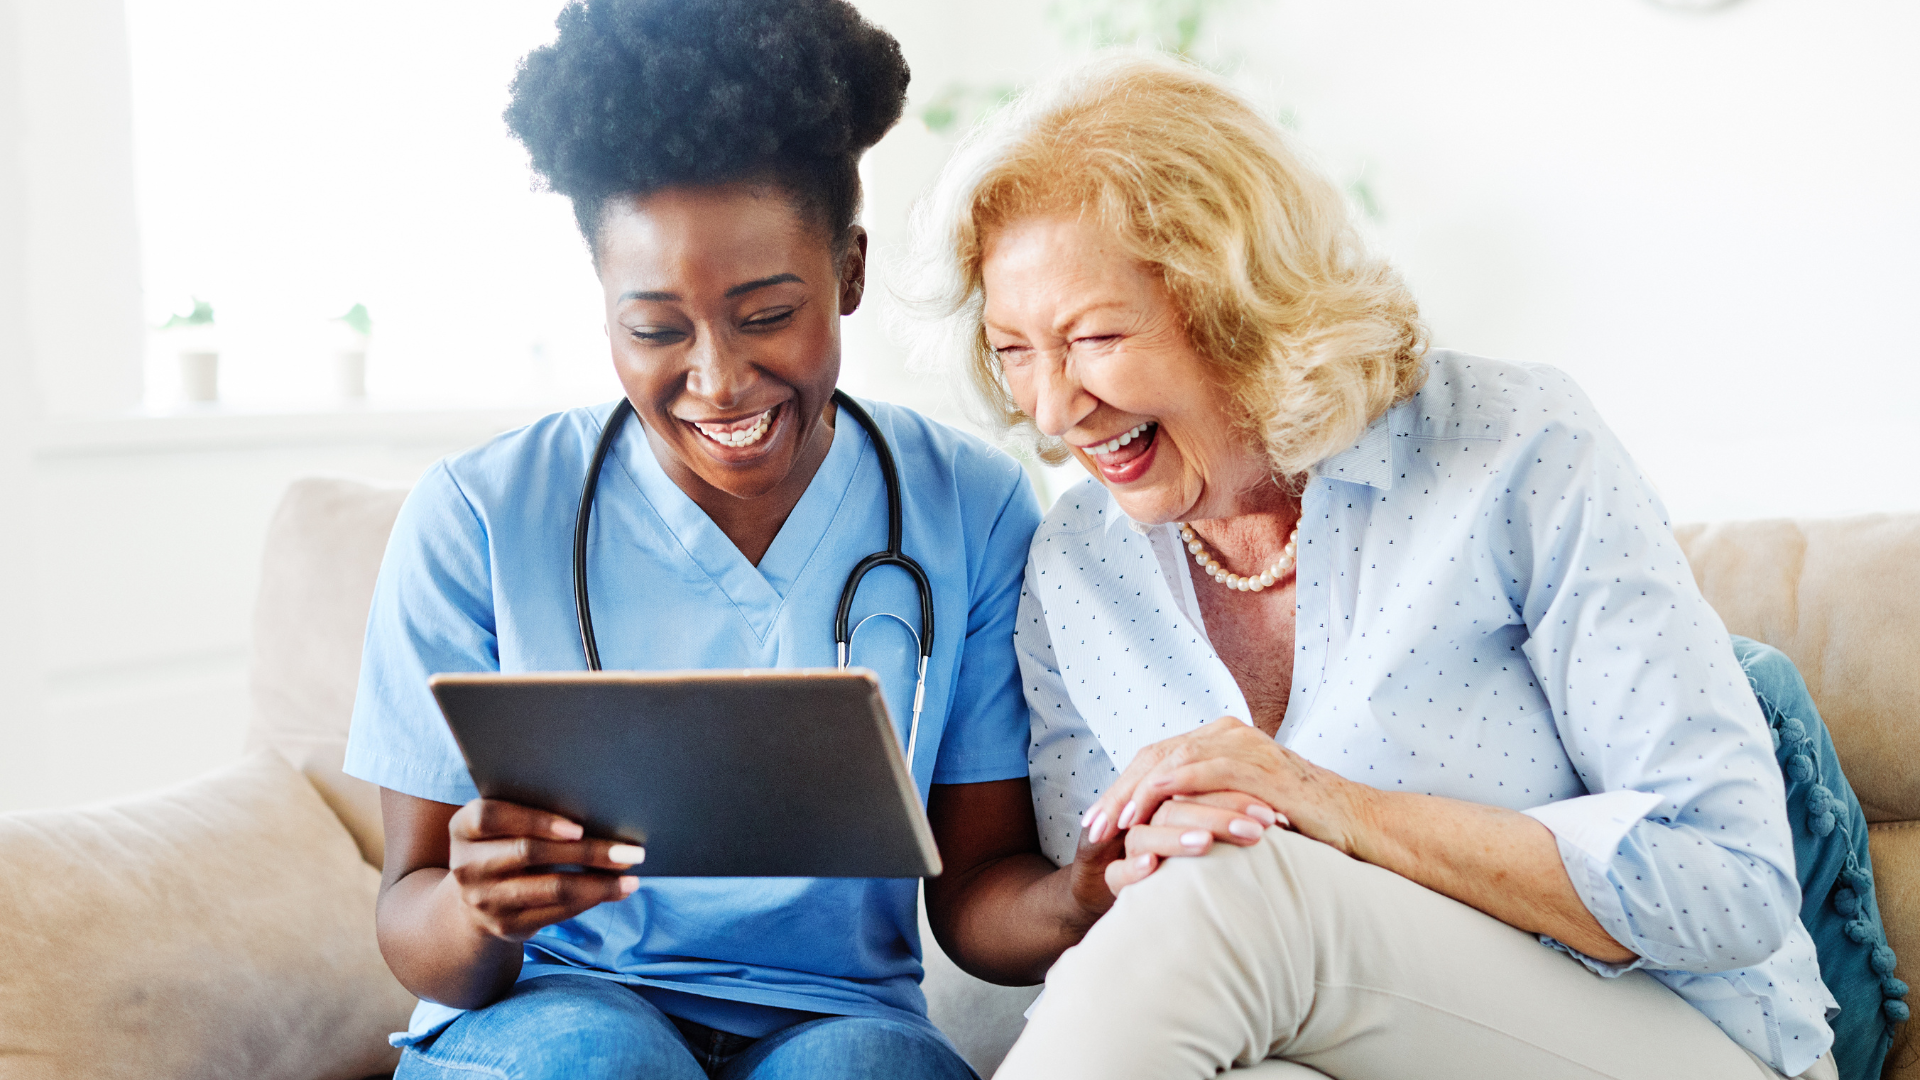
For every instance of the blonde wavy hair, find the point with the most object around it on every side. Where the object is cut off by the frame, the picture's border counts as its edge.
(1313, 337)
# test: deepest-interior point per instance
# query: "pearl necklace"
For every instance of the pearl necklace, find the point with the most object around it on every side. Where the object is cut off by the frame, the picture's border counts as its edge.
(1204, 560)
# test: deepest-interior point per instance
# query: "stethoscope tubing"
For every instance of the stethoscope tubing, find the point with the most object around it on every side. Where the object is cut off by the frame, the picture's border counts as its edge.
(842, 636)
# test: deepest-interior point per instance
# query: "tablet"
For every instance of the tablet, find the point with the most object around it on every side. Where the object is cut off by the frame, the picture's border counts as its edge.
(762, 773)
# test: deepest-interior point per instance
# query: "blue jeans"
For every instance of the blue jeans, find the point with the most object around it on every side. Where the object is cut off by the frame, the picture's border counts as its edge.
(577, 1027)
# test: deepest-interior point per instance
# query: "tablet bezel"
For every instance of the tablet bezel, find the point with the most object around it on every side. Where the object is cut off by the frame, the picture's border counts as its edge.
(552, 740)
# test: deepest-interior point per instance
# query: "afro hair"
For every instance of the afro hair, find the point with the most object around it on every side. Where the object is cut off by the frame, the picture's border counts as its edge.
(638, 95)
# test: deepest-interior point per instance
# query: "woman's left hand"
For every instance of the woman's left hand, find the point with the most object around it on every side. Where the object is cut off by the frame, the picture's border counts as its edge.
(1171, 784)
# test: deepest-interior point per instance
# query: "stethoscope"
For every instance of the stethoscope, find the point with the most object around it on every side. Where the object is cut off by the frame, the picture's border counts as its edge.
(842, 638)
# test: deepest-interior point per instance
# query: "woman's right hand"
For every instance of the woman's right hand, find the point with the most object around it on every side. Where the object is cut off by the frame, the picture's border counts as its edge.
(503, 859)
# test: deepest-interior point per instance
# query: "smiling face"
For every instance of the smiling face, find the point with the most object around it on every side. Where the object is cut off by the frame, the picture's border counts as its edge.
(723, 309)
(1093, 348)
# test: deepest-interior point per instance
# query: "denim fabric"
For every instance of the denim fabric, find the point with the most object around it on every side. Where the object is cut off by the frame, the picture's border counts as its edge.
(1838, 904)
(563, 1027)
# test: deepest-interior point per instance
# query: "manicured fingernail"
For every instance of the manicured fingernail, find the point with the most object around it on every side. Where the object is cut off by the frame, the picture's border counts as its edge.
(1244, 829)
(1126, 815)
(628, 884)
(1196, 839)
(1086, 819)
(1143, 862)
(1281, 820)
(1095, 826)
(627, 854)
(1260, 813)
(568, 830)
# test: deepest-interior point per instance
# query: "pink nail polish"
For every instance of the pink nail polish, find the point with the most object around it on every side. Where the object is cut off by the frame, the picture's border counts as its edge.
(1261, 814)
(1244, 829)
(628, 884)
(1195, 840)
(1097, 826)
(1126, 815)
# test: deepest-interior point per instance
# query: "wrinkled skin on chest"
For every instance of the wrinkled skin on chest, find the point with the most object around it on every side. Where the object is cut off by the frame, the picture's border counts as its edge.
(1253, 634)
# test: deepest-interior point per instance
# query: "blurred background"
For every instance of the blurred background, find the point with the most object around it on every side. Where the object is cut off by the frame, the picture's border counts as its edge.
(243, 242)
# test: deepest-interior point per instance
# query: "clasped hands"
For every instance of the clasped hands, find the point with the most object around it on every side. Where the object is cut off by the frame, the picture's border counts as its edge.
(1223, 782)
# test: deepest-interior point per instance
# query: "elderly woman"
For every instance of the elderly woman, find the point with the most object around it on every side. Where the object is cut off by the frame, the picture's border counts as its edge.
(1371, 678)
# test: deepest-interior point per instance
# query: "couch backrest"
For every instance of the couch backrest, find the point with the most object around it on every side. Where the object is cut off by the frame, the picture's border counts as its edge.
(316, 582)
(1841, 597)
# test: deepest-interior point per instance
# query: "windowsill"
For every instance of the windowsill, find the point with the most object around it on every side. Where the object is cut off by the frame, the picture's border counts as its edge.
(187, 429)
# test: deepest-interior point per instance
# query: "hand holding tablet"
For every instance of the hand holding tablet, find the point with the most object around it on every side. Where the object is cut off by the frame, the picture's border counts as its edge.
(506, 859)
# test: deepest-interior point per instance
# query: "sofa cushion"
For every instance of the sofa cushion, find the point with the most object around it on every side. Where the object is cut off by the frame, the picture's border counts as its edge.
(1841, 597)
(1896, 880)
(316, 582)
(221, 928)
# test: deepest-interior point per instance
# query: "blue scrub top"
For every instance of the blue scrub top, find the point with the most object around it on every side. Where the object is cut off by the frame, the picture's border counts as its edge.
(478, 577)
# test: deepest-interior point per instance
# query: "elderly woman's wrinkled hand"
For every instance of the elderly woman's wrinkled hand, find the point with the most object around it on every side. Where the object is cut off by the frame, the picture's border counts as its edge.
(1227, 781)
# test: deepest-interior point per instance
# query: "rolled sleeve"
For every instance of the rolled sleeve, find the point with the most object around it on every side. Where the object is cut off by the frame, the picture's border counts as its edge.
(1682, 852)
(1588, 830)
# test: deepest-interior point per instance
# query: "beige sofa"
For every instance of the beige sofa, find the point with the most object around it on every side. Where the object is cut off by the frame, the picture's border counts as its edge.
(225, 928)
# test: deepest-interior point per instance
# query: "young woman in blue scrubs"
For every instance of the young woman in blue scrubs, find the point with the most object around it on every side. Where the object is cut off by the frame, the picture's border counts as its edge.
(710, 149)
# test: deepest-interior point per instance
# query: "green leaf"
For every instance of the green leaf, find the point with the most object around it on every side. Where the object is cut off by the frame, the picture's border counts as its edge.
(1362, 194)
(358, 320)
(961, 105)
(202, 315)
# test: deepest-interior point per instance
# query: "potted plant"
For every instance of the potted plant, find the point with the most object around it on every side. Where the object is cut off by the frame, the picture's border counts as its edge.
(350, 352)
(192, 337)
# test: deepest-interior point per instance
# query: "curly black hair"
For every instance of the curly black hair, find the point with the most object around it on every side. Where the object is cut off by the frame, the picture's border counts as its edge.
(639, 95)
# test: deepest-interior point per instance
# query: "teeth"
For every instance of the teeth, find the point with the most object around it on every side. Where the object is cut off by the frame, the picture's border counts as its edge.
(745, 436)
(1111, 445)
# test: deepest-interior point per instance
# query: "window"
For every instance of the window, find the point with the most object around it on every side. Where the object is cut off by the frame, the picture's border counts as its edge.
(295, 160)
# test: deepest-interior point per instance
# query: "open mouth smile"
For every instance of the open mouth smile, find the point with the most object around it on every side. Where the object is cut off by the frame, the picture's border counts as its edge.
(737, 434)
(1125, 457)
(1114, 444)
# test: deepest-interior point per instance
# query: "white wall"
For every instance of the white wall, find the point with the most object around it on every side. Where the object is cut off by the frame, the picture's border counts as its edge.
(1708, 220)
(83, 295)
(19, 669)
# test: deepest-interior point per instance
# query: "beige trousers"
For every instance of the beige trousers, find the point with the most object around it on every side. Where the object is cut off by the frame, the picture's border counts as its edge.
(1288, 961)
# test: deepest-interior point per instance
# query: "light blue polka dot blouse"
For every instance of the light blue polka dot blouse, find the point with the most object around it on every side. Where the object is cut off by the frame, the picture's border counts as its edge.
(1491, 606)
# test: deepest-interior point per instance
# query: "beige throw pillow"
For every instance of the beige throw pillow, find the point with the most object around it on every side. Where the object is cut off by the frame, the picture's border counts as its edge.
(220, 929)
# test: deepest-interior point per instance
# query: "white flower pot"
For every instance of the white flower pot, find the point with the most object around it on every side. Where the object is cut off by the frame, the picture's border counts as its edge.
(350, 373)
(200, 375)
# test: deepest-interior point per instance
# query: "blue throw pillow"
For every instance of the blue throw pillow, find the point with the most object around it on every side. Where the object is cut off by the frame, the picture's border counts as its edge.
(1837, 902)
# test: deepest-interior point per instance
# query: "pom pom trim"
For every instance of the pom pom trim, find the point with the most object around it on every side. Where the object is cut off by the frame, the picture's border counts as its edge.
(1850, 898)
